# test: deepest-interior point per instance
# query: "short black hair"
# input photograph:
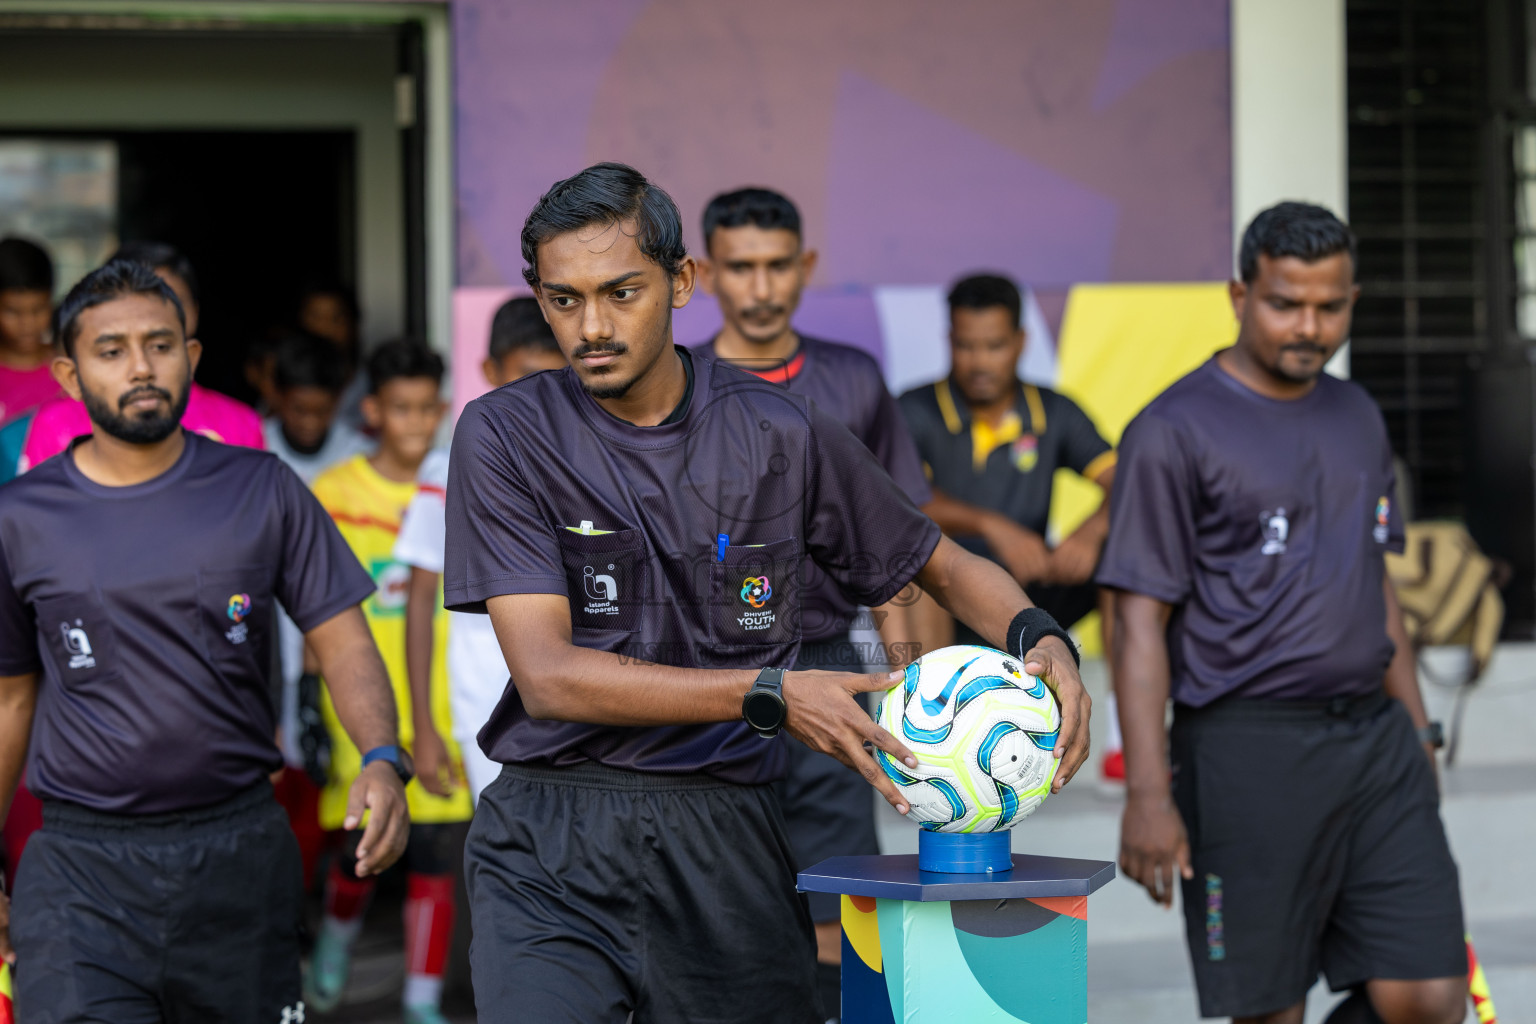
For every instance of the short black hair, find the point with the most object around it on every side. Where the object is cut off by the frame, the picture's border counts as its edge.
(606, 194)
(302, 360)
(339, 290)
(113, 280)
(24, 266)
(760, 207)
(519, 324)
(162, 256)
(402, 357)
(1303, 230)
(988, 291)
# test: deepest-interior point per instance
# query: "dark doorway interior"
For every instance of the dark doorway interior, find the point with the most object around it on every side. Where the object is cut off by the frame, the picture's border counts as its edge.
(260, 214)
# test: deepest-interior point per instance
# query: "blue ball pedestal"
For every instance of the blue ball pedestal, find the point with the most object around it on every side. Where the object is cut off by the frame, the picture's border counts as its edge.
(962, 853)
(925, 947)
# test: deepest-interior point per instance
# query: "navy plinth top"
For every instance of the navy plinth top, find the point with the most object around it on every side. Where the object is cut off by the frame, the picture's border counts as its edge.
(898, 877)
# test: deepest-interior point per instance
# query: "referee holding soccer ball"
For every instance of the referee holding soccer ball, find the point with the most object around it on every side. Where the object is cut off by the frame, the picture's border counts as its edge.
(635, 526)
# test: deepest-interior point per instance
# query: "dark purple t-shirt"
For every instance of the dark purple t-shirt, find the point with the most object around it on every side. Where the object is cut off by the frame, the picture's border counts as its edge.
(550, 494)
(846, 382)
(147, 610)
(1263, 523)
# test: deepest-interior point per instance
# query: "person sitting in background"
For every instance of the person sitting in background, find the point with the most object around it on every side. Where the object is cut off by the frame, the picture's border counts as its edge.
(992, 445)
(214, 416)
(521, 343)
(308, 375)
(367, 496)
(26, 344)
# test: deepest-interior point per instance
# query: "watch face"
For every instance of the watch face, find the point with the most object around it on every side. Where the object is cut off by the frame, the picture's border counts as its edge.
(764, 711)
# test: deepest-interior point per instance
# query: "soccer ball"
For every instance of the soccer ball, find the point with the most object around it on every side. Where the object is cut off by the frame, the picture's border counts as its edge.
(983, 733)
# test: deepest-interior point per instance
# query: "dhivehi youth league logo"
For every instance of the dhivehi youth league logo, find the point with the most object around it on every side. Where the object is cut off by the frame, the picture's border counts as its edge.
(237, 609)
(755, 593)
(756, 590)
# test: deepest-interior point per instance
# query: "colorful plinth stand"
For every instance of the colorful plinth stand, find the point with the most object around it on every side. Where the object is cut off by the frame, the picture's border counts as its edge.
(963, 932)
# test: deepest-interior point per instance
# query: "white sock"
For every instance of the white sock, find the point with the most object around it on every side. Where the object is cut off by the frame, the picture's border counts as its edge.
(422, 990)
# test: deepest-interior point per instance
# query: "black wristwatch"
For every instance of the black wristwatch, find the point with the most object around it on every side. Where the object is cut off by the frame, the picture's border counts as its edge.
(399, 759)
(1433, 735)
(763, 707)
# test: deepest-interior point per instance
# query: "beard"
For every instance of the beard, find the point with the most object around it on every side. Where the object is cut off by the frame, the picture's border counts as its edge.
(140, 428)
(1281, 370)
(603, 383)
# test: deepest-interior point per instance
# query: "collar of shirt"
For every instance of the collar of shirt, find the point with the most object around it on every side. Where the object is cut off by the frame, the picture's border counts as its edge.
(985, 438)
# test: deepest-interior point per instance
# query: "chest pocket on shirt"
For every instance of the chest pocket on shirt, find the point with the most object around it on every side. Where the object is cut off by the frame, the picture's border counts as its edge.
(234, 613)
(78, 639)
(755, 595)
(605, 579)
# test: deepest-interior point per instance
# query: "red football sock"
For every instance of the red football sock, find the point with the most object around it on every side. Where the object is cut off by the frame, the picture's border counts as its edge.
(346, 895)
(428, 923)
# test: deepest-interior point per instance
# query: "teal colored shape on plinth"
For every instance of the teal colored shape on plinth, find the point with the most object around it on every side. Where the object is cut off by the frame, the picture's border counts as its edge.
(1039, 976)
(934, 972)
(891, 918)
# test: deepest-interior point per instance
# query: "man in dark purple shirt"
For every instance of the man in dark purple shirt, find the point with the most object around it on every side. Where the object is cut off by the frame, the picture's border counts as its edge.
(635, 525)
(757, 268)
(139, 573)
(1251, 510)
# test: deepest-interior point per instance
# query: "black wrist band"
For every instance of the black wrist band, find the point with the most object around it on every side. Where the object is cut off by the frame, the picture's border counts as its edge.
(1031, 626)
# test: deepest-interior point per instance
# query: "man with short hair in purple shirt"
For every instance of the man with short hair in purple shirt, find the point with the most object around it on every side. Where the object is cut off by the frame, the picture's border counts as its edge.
(758, 266)
(1251, 511)
(139, 576)
(636, 524)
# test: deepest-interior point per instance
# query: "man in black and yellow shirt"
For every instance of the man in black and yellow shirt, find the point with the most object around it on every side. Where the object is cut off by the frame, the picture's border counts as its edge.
(992, 444)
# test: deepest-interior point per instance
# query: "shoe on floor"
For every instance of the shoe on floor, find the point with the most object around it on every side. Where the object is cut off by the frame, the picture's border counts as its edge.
(329, 965)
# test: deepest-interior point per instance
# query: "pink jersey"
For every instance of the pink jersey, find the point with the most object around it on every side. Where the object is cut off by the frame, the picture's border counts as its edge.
(209, 413)
(21, 391)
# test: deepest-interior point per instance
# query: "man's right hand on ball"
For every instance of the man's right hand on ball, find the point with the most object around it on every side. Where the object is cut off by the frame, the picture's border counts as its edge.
(824, 714)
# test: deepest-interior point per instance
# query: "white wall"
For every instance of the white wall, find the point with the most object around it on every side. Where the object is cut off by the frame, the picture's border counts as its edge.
(1289, 129)
(234, 80)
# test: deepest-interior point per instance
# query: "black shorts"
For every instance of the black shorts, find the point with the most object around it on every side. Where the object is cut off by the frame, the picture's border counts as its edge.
(177, 917)
(829, 808)
(1317, 846)
(597, 892)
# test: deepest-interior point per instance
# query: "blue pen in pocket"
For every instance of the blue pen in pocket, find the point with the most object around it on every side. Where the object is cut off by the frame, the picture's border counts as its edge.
(722, 541)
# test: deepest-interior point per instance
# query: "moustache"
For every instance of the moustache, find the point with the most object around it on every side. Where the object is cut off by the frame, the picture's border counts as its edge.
(610, 348)
(762, 312)
(140, 392)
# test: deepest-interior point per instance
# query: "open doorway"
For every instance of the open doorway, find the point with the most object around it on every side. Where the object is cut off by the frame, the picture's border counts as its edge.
(273, 152)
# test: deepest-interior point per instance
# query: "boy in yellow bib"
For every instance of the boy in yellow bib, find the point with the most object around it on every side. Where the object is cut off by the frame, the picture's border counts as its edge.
(367, 497)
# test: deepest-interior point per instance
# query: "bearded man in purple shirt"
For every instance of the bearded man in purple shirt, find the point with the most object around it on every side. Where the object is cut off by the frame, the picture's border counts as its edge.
(1251, 509)
(140, 573)
(636, 524)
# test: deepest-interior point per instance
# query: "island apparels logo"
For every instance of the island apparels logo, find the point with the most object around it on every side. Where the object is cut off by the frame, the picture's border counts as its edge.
(756, 592)
(77, 645)
(602, 591)
(238, 608)
(1277, 530)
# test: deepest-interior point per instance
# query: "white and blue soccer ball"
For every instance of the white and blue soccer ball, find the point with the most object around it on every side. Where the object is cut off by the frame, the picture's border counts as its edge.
(984, 734)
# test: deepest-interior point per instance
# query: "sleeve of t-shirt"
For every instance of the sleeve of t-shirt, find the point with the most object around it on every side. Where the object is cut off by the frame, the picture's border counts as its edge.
(891, 442)
(1397, 533)
(319, 576)
(1082, 444)
(18, 631)
(916, 417)
(422, 531)
(861, 528)
(498, 540)
(1151, 544)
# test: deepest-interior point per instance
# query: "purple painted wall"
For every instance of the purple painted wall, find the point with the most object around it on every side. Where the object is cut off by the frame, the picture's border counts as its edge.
(1063, 141)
